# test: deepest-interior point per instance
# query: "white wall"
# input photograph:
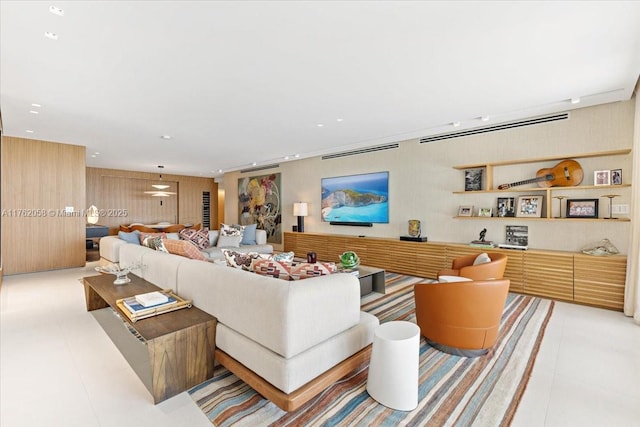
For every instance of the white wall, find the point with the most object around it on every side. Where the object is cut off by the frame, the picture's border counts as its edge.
(422, 179)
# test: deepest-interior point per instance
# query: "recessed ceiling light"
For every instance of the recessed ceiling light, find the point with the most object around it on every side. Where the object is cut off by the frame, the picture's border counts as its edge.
(34, 112)
(56, 10)
(339, 120)
(254, 164)
(286, 157)
(165, 136)
(36, 105)
(484, 118)
(575, 100)
(93, 155)
(320, 125)
(97, 153)
(455, 124)
(219, 170)
(297, 156)
(28, 131)
(50, 35)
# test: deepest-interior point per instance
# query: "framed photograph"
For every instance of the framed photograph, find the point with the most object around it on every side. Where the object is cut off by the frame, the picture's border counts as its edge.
(582, 208)
(473, 179)
(484, 212)
(465, 211)
(506, 207)
(529, 206)
(616, 177)
(602, 177)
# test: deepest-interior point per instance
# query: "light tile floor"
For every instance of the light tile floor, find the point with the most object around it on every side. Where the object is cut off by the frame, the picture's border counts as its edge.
(58, 368)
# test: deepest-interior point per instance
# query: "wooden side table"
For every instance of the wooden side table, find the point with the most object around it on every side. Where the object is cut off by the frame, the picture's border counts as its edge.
(170, 353)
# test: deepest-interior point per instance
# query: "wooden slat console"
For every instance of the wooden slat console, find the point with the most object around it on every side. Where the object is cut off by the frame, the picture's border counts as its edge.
(560, 275)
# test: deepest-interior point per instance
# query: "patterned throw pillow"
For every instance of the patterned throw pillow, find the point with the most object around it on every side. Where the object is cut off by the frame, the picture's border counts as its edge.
(242, 260)
(231, 230)
(155, 243)
(144, 235)
(305, 270)
(284, 256)
(199, 237)
(275, 269)
(183, 248)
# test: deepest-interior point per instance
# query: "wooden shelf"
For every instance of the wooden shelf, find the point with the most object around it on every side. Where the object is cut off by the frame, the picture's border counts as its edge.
(525, 218)
(546, 159)
(549, 189)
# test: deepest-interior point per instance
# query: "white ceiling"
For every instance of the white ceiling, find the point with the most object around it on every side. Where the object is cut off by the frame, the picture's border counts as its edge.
(240, 82)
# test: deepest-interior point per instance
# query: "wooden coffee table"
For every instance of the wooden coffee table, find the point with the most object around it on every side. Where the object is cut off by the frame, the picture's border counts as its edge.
(171, 353)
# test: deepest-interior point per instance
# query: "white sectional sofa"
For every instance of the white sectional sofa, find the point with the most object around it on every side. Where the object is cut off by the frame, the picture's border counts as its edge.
(287, 339)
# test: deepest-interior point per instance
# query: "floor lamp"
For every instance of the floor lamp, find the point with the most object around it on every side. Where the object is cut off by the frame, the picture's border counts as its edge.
(300, 210)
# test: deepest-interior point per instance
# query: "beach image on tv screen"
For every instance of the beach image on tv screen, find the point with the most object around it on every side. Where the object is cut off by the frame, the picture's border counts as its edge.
(356, 198)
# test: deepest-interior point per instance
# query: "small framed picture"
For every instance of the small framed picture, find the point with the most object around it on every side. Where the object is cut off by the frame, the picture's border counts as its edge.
(465, 211)
(616, 177)
(473, 179)
(582, 208)
(529, 206)
(602, 177)
(484, 212)
(506, 207)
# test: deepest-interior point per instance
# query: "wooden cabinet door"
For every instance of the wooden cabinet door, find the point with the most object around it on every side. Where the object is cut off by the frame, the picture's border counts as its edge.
(549, 274)
(600, 281)
(430, 259)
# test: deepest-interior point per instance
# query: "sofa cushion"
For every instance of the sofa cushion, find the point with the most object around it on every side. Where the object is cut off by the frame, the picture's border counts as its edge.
(249, 235)
(144, 235)
(306, 270)
(154, 242)
(243, 260)
(132, 237)
(199, 237)
(231, 230)
(275, 269)
(229, 241)
(183, 248)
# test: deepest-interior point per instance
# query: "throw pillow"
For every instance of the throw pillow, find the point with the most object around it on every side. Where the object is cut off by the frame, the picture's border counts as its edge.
(132, 237)
(483, 258)
(199, 237)
(229, 241)
(155, 243)
(275, 269)
(231, 230)
(183, 248)
(249, 235)
(242, 260)
(305, 270)
(284, 256)
(144, 235)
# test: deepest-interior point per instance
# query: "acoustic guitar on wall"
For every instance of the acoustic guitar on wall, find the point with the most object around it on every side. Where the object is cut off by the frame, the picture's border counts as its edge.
(567, 173)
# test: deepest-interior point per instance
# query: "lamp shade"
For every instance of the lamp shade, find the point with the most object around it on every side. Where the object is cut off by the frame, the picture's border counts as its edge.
(92, 215)
(300, 209)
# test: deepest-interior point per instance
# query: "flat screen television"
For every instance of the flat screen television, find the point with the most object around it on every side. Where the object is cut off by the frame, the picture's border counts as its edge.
(356, 199)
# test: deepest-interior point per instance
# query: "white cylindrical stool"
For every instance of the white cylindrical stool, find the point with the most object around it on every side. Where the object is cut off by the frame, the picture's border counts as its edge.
(393, 370)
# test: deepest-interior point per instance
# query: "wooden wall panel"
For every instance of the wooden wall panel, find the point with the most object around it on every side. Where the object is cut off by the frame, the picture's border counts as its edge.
(116, 190)
(40, 179)
(600, 281)
(549, 275)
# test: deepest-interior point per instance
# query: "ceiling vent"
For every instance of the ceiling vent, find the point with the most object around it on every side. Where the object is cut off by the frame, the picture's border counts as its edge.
(360, 151)
(503, 126)
(260, 168)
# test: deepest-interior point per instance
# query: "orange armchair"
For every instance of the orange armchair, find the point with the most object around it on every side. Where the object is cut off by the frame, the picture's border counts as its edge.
(461, 318)
(464, 267)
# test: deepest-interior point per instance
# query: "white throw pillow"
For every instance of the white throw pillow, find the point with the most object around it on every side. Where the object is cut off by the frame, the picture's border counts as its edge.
(229, 241)
(483, 258)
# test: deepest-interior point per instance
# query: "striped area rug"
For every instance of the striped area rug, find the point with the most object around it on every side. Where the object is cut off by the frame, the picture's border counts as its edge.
(454, 391)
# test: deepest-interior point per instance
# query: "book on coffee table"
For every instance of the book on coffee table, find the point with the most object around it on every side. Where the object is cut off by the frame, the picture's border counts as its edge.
(136, 311)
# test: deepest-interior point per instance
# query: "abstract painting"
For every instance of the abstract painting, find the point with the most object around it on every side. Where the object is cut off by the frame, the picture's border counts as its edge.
(259, 203)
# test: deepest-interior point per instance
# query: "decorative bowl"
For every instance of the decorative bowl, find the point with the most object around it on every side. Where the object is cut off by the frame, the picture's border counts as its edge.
(349, 259)
(119, 272)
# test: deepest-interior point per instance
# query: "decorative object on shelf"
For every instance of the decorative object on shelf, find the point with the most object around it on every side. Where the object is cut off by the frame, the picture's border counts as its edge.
(610, 197)
(529, 206)
(349, 259)
(119, 272)
(602, 177)
(506, 207)
(465, 211)
(600, 248)
(93, 215)
(300, 209)
(616, 177)
(567, 173)
(481, 242)
(415, 228)
(582, 208)
(484, 212)
(560, 206)
(473, 179)
(516, 237)
(312, 257)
